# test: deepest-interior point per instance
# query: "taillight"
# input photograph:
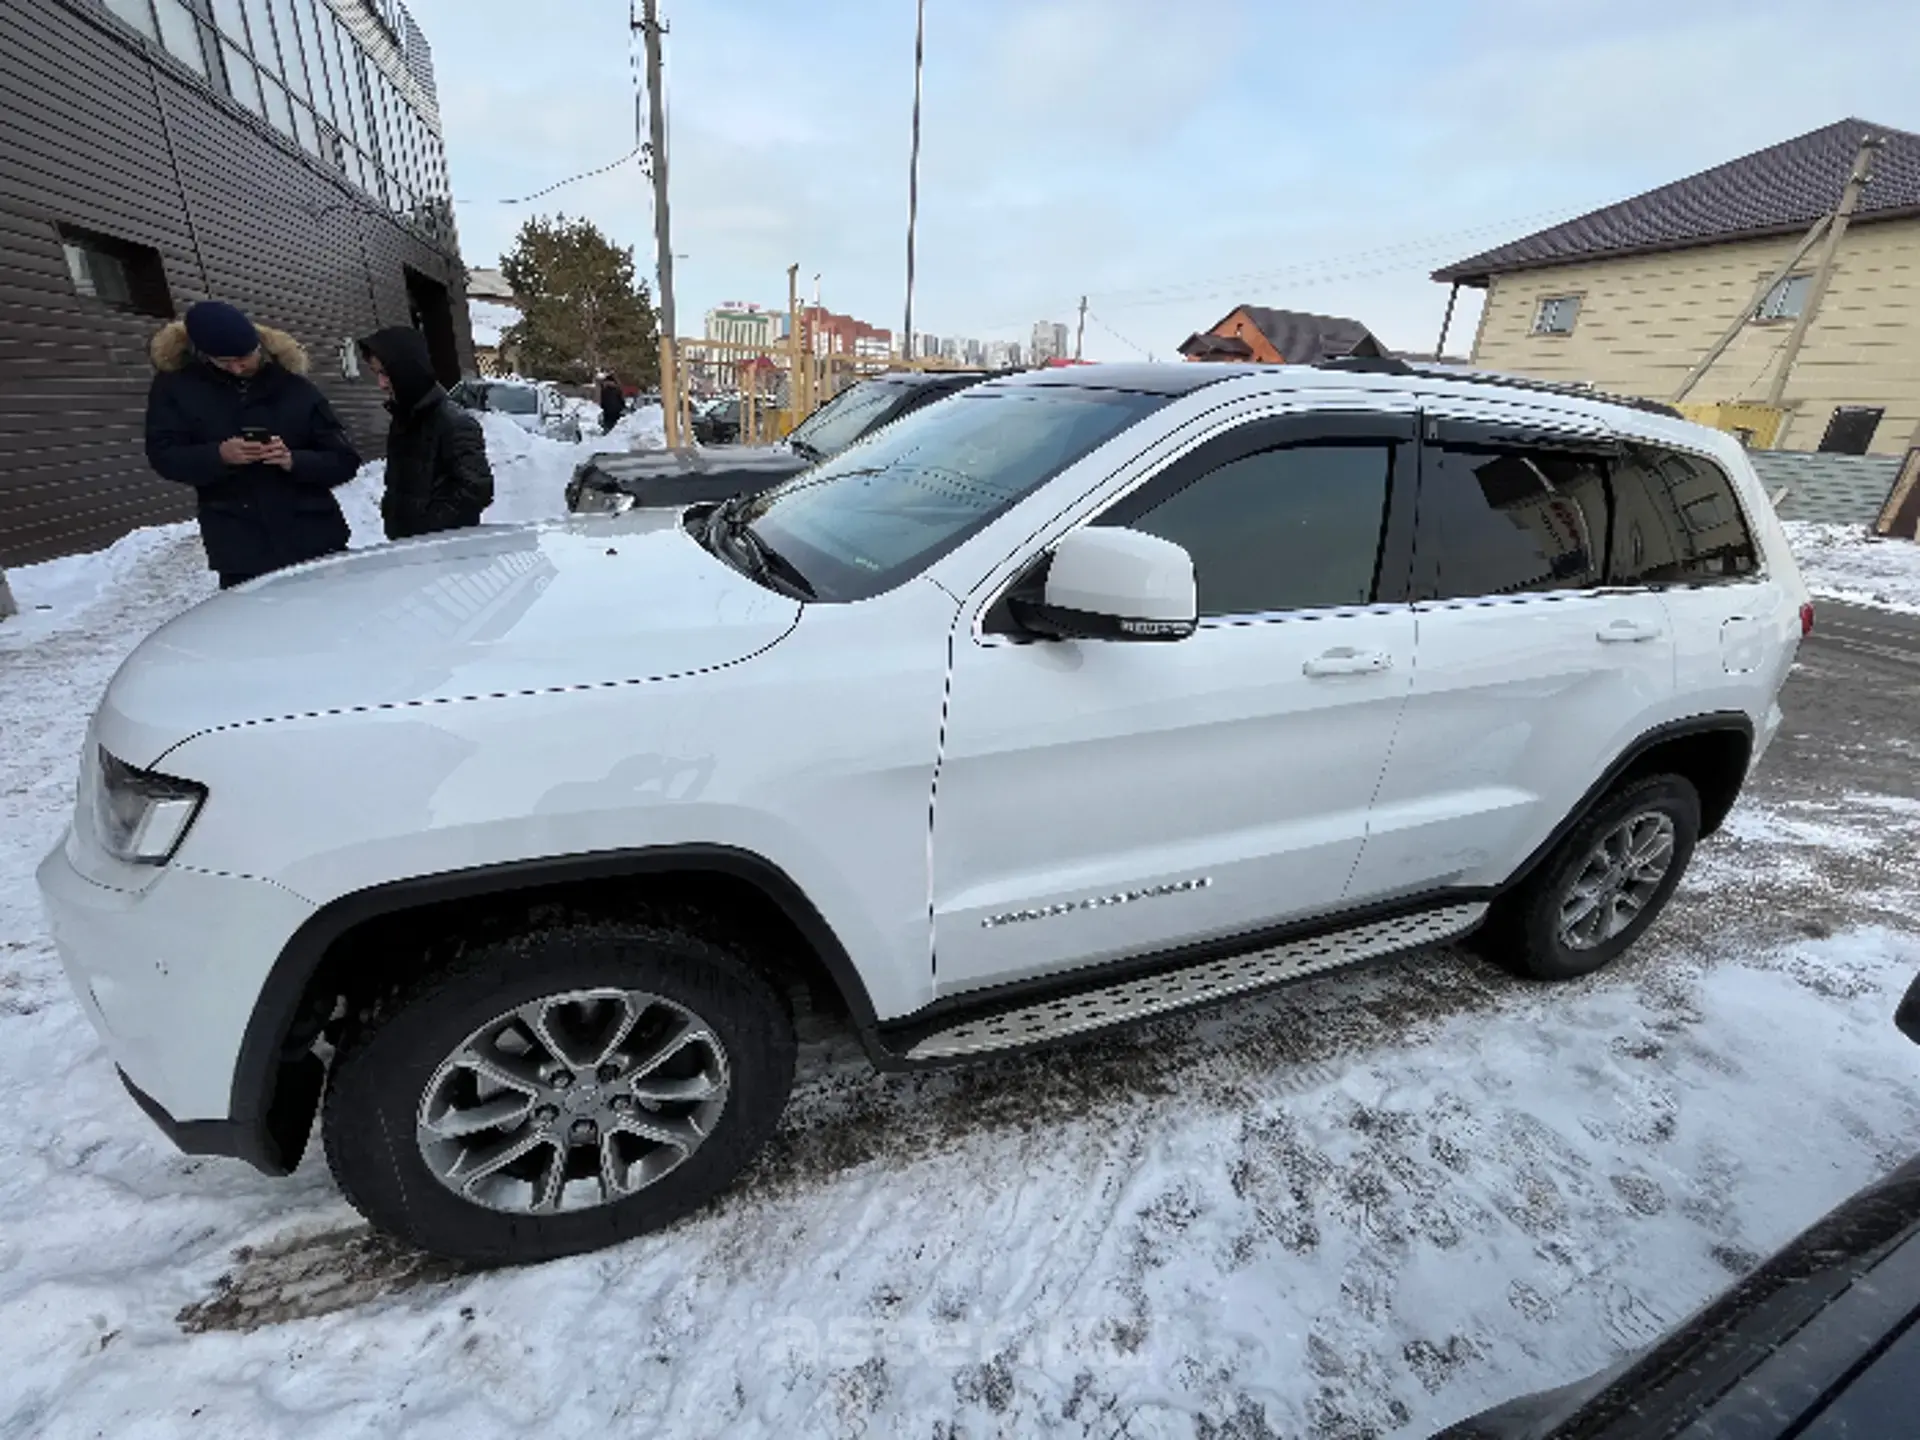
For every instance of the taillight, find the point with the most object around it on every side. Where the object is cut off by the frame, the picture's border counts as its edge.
(1806, 619)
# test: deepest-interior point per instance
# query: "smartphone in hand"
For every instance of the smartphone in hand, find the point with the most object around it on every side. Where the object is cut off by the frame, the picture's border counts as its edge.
(256, 434)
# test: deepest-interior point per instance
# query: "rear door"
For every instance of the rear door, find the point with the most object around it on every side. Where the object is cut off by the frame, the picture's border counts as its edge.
(1532, 672)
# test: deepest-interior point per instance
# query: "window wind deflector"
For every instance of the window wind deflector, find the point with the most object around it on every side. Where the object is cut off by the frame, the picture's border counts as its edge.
(1501, 435)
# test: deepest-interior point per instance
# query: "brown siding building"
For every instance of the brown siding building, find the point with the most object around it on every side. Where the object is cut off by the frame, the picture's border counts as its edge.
(283, 155)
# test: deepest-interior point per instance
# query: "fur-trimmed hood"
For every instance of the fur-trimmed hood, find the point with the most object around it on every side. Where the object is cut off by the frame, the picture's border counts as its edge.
(170, 349)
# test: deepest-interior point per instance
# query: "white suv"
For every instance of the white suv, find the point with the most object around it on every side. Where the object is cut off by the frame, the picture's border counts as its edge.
(1081, 696)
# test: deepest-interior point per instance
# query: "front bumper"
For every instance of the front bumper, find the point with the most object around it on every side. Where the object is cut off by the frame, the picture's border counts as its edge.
(169, 976)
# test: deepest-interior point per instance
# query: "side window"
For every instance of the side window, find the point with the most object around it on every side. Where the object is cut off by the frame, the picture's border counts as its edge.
(1297, 528)
(1509, 521)
(1676, 521)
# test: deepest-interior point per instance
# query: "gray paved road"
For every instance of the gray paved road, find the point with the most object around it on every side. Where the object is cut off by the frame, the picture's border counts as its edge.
(1852, 708)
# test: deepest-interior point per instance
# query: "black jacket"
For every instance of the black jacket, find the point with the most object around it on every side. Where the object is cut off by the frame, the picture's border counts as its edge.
(253, 518)
(613, 404)
(438, 477)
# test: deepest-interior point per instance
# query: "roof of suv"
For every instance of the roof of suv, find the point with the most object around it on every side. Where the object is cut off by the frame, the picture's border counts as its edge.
(1184, 378)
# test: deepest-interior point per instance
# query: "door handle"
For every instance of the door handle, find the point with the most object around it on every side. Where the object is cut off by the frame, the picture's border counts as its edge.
(1347, 661)
(1625, 632)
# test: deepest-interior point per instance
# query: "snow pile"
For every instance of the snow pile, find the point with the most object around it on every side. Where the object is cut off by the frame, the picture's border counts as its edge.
(1844, 562)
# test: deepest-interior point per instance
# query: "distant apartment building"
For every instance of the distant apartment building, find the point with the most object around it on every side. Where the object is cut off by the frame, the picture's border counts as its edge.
(822, 332)
(737, 323)
(926, 347)
(1003, 355)
(1049, 341)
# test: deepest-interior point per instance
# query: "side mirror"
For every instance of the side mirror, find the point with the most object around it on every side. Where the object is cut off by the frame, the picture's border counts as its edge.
(1109, 583)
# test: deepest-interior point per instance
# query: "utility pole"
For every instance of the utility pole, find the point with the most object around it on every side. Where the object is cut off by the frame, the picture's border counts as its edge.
(1857, 181)
(796, 396)
(913, 174)
(652, 30)
(1849, 197)
(1446, 324)
(1080, 330)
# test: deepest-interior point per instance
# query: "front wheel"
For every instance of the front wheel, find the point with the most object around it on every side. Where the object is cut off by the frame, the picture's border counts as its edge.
(556, 1092)
(1602, 886)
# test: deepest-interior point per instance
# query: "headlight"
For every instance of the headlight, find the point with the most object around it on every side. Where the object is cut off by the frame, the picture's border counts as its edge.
(139, 816)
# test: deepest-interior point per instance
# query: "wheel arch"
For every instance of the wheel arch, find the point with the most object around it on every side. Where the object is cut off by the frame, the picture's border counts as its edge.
(276, 1081)
(1712, 752)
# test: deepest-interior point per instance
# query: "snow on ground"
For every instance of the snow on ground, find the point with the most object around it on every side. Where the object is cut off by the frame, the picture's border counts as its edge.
(1848, 562)
(1366, 1206)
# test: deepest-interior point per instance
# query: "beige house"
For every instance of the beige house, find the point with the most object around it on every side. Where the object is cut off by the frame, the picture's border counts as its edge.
(1629, 298)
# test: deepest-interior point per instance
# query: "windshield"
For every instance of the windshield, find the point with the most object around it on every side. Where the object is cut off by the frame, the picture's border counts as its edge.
(888, 507)
(845, 418)
(513, 400)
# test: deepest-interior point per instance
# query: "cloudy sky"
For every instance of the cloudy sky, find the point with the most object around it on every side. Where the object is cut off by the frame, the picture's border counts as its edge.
(1168, 160)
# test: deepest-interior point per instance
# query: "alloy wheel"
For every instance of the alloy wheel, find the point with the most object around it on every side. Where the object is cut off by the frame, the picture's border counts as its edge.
(572, 1101)
(1621, 874)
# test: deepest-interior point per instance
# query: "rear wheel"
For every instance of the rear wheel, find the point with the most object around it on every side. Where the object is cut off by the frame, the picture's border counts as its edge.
(557, 1092)
(1602, 886)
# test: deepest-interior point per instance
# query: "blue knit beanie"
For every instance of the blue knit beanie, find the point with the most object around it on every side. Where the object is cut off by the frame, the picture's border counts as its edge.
(220, 331)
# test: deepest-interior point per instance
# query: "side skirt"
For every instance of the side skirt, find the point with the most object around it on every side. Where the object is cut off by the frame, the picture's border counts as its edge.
(1023, 1016)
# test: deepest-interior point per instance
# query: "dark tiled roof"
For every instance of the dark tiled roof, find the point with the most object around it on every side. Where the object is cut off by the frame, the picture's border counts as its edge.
(1783, 188)
(1304, 339)
(1202, 343)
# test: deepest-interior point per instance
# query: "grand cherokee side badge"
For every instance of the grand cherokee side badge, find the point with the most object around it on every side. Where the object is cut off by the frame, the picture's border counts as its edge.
(1097, 902)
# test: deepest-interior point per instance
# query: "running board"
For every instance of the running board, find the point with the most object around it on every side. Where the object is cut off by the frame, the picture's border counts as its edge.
(1169, 990)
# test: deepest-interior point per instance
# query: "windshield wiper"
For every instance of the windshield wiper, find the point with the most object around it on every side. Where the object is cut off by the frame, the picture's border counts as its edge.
(728, 531)
(805, 450)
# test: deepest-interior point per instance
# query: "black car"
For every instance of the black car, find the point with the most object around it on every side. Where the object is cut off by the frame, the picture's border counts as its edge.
(717, 422)
(1821, 1342)
(622, 479)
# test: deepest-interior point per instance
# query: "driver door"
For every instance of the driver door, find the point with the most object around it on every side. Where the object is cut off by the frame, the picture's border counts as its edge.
(1098, 799)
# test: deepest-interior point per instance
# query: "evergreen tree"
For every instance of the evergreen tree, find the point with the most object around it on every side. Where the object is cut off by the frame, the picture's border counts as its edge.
(582, 308)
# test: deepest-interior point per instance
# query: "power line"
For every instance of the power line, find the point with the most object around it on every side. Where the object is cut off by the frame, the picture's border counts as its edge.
(639, 149)
(1141, 349)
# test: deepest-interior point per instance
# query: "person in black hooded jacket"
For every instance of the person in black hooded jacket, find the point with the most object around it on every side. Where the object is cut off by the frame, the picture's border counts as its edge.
(231, 413)
(438, 477)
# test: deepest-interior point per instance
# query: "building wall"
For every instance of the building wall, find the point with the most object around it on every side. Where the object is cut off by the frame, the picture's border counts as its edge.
(1645, 320)
(111, 135)
(1238, 327)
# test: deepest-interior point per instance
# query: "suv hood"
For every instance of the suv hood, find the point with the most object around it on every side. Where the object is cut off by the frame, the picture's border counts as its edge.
(482, 612)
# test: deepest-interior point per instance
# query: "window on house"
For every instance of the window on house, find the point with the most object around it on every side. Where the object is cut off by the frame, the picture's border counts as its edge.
(1786, 300)
(117, 272)
(242, 83)
(136, 13)
(1850, 431)
(279, 112)
(180, 34)
(296, 65)
(317, 70)
(228, 15)
(1556, 315)
(260, 27)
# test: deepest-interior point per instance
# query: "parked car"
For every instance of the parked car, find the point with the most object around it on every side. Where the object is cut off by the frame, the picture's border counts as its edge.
(620, 480)
(534, 405)
(717, 421)
(1088, 695)
(1822, 1340)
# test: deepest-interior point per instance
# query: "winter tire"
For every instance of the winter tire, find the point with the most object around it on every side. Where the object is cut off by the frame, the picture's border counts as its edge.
(1602, 885)
(556, 1092)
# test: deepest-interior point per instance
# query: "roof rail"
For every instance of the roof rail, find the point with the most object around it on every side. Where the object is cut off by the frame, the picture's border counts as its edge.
(1578, 389)
(1366, 364)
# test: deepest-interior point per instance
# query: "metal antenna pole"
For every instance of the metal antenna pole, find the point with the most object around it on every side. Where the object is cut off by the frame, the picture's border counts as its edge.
(913, 173)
